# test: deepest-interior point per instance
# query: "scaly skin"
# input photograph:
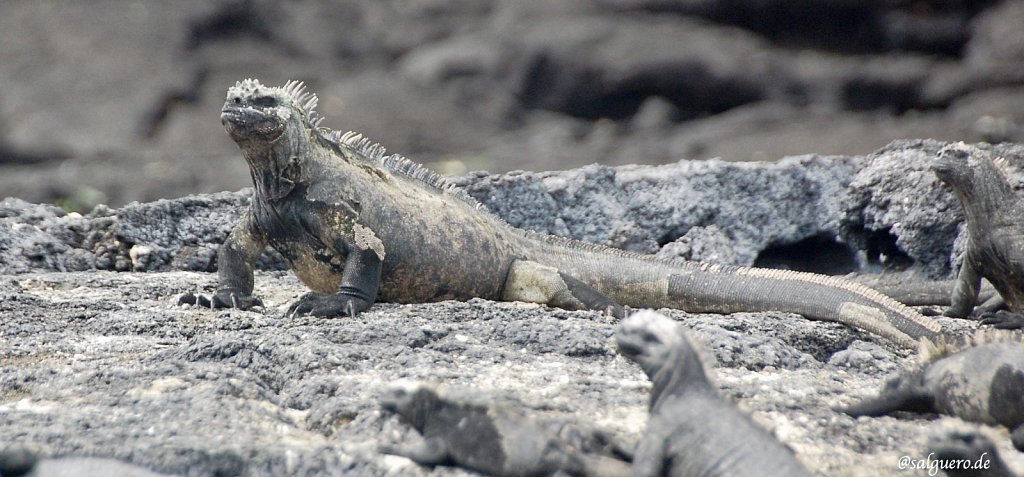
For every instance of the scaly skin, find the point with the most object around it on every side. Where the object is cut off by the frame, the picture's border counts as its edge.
(358, 226)
(995, 246)
(495, 440)
(692, 431)
(981, 383)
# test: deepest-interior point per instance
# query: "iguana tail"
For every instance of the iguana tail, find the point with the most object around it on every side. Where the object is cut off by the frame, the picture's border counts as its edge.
(645, 281)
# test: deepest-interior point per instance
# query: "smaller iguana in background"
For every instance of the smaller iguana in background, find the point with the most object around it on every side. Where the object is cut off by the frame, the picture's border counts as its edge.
(995, 226)
(692, 430)
(498, 440)
(980, 379)
(358, 225)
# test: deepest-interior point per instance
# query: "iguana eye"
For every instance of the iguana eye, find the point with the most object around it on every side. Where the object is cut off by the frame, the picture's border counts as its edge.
(265, 102)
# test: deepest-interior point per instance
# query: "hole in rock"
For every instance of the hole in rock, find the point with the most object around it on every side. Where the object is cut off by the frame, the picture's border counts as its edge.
(817, 254)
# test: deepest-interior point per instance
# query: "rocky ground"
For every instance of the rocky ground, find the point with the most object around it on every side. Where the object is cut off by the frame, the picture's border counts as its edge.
(98, 359)
(112, 101)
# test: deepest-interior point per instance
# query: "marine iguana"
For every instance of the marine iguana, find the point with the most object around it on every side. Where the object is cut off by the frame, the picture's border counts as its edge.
(692, 431)
(980, 380)
(358, 226)
(497, 440)
(995, 245)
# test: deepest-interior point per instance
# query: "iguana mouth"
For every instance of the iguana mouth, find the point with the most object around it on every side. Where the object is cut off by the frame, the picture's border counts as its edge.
(241, 115)
(245, 121)
(628, 347)
(942, 169)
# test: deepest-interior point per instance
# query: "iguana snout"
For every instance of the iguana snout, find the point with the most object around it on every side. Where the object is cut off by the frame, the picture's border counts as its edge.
(647, 337)
(399, 396)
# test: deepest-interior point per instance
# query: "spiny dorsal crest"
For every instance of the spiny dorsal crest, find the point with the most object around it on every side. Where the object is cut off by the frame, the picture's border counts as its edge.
(946, 345)
(398, 164)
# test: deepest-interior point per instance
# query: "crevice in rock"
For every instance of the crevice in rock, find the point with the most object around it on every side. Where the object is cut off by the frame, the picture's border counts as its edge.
(818, 254)
(873, 95)
(840, 26)
(156, 118)
(233, 19)
(582, 93)
(881, 251)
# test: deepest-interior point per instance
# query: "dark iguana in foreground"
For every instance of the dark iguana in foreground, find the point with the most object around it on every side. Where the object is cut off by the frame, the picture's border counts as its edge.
(692, 431)
(978, 381)
(497, 440)
(995, 244)
(358, 225)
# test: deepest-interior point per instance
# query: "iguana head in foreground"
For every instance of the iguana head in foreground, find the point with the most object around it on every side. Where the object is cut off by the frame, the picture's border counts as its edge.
(662, 349)
(253, 112)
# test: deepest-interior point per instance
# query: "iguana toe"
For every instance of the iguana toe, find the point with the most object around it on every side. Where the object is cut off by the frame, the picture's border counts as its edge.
(328, 306)
(234, 299)
(192, 299)
(1003, 320)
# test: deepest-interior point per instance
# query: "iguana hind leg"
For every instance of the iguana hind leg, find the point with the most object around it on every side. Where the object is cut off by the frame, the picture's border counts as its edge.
(532, 282)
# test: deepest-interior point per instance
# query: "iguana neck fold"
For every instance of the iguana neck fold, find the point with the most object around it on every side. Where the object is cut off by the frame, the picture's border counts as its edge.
(276, 167)
(682, 372)
(986, 197)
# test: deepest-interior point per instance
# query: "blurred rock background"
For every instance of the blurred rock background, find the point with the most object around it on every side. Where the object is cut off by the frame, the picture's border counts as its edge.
(113, 101)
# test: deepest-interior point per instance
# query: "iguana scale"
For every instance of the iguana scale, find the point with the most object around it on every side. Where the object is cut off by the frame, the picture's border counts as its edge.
(358, 225)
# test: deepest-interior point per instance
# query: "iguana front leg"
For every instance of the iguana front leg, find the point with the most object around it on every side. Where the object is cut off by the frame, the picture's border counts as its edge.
(532, 282)
(965, 293)
(236, 260)
(649, 459)
(359, 284)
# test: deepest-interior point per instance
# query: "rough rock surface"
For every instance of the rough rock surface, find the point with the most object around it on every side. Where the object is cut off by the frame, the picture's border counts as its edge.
(102, 362)
(112, 102)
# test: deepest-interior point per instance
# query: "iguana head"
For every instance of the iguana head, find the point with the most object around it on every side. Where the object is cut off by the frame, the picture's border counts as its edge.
(663, 350)
(954, 166)
(979, 181)
(415, 402)
(253, 112)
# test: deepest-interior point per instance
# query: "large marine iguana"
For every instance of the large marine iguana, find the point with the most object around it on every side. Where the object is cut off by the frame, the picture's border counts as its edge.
(980, 380)
(358, 225)
(497, 440)
(692, 431)
(995, 244)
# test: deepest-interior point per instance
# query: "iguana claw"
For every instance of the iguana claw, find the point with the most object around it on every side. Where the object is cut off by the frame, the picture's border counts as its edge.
(1003, 320)
(222, 299)
(338, 304)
